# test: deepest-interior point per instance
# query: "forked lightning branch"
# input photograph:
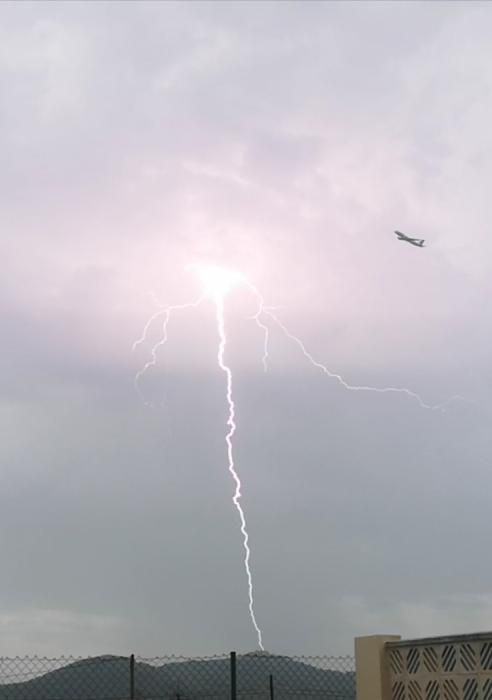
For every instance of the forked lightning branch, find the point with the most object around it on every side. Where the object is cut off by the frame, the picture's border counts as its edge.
(217, 283)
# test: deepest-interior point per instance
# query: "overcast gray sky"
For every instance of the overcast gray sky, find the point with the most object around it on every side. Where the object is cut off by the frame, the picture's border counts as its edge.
(289, 140)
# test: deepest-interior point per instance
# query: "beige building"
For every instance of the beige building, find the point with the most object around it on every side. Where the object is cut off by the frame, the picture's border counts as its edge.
(439, 668)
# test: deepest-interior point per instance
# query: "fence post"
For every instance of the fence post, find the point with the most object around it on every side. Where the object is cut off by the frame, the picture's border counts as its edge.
(132, 677)
(233, 676)
(271, 687)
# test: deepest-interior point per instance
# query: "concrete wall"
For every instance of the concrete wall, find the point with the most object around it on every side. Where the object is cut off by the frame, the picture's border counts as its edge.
(371, 679)
(439, 668)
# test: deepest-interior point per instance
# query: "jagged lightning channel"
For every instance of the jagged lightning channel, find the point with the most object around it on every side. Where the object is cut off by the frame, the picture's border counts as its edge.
(216, 290)
(166, 314)
(267, 311)
(217, 283)
(261, 309)
(231, 424)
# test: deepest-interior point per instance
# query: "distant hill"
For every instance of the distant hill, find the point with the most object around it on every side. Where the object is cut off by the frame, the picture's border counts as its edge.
(108, 678)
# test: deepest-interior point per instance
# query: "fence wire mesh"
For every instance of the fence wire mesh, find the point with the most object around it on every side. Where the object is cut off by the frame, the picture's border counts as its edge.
(256, 676)
(301, 678)
(182, 678)
(69, 678)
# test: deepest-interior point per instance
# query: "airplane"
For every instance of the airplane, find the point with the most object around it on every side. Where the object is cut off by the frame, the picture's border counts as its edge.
(419, 242)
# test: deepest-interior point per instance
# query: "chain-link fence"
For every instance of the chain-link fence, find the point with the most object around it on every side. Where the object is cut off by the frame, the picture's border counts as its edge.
(256, 676)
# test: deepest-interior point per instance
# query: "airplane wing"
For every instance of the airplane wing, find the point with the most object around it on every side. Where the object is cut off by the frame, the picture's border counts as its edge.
(414, 241)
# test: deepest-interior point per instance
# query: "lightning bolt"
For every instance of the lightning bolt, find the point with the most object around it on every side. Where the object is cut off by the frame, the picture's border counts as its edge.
(217, 283)
(216, 286)
(166, 314)
(230, 456)
(339, 378)
(262, 310)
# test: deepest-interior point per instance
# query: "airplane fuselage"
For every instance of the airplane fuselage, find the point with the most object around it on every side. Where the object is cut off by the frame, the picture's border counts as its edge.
(419, 242)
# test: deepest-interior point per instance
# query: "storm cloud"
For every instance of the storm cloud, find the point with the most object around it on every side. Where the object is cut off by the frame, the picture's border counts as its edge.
(287, 140)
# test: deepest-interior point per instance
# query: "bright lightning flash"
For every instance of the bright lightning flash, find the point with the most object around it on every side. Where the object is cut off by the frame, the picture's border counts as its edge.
(230, 456)
(217, 283)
